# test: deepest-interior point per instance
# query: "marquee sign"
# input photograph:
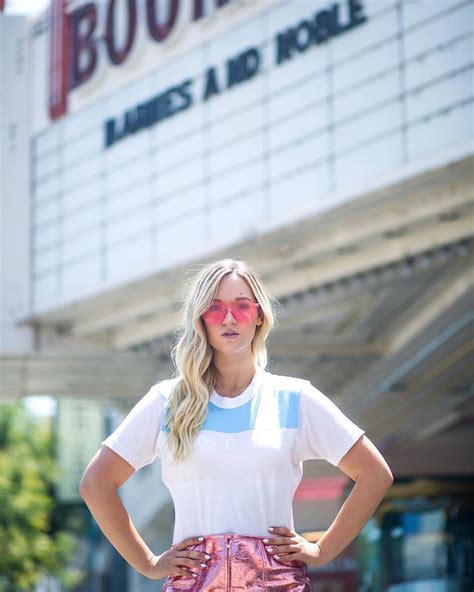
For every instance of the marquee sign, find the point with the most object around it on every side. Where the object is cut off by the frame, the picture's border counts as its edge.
(75, 38)
(324, 25)
(75, 41)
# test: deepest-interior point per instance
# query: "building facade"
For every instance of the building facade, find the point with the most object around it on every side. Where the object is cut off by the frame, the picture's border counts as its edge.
(328, 144)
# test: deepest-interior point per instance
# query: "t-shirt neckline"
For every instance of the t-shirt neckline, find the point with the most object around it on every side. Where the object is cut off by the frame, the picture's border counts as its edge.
(244, 397)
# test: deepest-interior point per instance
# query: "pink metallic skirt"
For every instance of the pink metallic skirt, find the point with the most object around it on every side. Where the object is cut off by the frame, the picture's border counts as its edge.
(241, 562)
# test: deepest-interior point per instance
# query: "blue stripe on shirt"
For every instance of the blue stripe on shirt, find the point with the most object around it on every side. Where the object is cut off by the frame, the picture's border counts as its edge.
(241, 419)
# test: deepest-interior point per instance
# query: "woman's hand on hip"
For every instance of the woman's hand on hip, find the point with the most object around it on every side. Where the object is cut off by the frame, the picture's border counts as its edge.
(287, 546)
(178, 561)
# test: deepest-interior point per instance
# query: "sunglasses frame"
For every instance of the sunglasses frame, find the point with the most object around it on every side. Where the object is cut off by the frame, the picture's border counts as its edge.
(229, 305)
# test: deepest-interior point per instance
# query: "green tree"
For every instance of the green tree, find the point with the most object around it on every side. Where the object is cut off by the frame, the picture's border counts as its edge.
(30, 547)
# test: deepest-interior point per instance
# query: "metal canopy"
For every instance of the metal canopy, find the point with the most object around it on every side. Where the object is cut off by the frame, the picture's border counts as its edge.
(376, 310)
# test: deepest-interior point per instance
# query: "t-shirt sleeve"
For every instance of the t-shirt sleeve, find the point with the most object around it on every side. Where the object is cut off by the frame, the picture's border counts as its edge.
(325, 431)
(136, 438)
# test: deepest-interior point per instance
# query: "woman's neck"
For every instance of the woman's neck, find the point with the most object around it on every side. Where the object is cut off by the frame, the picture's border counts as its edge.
(234, 379)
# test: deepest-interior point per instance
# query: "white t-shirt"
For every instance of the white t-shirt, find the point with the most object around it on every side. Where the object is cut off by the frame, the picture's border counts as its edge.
(246, 461)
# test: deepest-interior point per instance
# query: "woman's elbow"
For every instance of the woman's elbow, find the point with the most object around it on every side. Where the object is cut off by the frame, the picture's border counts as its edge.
(384, 477)
(85, 485)
(379, 476)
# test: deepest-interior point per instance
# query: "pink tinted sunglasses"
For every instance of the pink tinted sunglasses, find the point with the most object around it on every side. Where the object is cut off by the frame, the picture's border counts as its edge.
(243, 311)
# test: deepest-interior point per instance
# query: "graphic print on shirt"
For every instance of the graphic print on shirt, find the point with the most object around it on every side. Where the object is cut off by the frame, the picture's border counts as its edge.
(254, 439)
(246, 461)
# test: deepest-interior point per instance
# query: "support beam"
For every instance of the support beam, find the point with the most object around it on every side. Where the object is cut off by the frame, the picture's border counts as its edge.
(102, 377)
(365, 258)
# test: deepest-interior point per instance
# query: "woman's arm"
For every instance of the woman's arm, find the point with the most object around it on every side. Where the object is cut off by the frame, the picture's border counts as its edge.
(106, 472)
(373, 477)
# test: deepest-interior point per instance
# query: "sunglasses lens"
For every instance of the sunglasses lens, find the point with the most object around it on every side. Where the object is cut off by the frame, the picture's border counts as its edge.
(243, 312)
(215, 314)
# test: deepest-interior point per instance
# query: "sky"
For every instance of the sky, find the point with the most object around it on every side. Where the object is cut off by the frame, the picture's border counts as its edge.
(29, 7)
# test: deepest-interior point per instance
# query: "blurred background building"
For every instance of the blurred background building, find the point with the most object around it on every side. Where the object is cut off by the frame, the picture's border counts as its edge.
(329, 144)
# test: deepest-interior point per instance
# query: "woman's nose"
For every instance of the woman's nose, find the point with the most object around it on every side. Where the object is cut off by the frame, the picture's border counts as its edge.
(229, 316)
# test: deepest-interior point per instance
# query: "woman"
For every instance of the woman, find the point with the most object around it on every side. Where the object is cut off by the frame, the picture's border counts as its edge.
(231, 438)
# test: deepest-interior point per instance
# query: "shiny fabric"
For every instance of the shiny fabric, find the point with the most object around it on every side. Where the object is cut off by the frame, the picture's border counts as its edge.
(240, 562)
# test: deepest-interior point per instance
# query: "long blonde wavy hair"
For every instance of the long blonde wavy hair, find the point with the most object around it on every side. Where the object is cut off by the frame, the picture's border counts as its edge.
(193, 356)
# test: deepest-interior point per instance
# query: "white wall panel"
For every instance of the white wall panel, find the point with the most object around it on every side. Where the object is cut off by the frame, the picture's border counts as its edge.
(83, 218)
(282, 16)
(236, 40)
(438, 133)
(84, 195)
(246, 121)
(180, 124)
(119, 204)
(46, 291)
(415, 13)
(380, 90)
(185, 239)
(371, 161)
(236, 153)
(297, 126)
(47, 211)
(374, 122)
(429, 33)
(191, 173)
(302, 66)
(81, 244)
(439, 96)
(86, 145)
(285, 161)
(365, 66)
(297, 195)
(381, 25)
(235, 99)
(129, 255)
(236, 181)
(124, 179)
(175, 153)
(46, 187)
(120, 229)
(439, 62)
(85, 169)
(233, 220)
(49, 163)
(50, 139)
(46, 261)
(80, 279)
(359, 38)
(187, 203)
(47, 235)
(122, 153)
(76, 126)
(130, 96)
(307, 94)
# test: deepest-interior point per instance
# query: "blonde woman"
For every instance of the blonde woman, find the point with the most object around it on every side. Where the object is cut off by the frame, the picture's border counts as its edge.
(231, 437)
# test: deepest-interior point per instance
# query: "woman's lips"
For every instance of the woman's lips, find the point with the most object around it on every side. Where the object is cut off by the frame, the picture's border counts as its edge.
(230, 336)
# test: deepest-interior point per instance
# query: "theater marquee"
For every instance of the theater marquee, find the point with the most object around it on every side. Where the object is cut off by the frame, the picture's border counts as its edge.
(75, 40)
(317, 29)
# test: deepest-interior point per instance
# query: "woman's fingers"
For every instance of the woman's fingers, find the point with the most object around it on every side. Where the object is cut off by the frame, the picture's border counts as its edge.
(193, 561)
(187, 543)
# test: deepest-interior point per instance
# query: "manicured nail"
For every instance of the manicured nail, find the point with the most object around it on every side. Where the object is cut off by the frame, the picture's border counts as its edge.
(276, 556)
(203, 565)
(271, 528)
(208, 556)
(195, 575)
(266, 540)
(200, 538)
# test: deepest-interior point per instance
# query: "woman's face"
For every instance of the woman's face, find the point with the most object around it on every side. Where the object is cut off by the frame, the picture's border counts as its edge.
(233, 288)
